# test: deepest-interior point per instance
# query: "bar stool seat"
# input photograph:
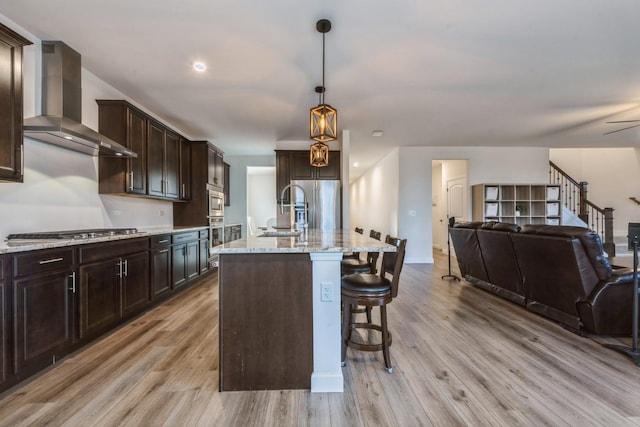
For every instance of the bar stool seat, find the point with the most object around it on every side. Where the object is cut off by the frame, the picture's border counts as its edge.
(358, 265)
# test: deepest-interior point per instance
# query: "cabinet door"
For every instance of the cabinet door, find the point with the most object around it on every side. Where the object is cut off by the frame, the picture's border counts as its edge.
(332, 170)
(160, 272)
(155, 164)
(179, 267)
(227, 184)
(135, 283)
(192, 259)
(211, 165)
(137, 142)
(4, 332)
(203, 256)
(283, 175)
(43, 318)
(100, 295)
(219, 170)
(185, 169)
(11, 137)
(300, 166)
(172, 165)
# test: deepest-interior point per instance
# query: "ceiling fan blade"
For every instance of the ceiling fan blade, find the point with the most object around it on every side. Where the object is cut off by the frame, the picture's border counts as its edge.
(624, 121)
(620, 130)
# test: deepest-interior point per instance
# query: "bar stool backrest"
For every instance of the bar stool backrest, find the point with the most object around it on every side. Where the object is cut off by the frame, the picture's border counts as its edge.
(392, 262)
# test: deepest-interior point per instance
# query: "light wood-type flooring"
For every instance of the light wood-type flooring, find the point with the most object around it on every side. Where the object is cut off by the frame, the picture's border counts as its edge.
(461, 356)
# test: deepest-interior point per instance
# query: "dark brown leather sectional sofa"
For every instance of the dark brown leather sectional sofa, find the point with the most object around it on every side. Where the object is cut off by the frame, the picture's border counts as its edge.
(560, 272)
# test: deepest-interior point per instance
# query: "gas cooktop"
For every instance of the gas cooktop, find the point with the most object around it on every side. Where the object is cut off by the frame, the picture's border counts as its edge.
(69, 234)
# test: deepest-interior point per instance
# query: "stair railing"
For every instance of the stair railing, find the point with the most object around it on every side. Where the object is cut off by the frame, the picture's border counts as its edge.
(574, 198)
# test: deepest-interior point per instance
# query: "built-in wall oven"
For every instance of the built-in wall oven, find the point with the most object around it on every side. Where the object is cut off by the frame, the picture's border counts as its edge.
(216, 203)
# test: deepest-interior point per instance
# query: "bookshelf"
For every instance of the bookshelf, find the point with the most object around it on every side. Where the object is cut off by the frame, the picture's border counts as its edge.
(517, 203)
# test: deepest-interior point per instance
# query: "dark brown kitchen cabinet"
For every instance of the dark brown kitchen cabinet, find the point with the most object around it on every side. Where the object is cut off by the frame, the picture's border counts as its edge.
(128, 126)
(195, 211)
(44, 295)
(185, 257)
(216, 168)
(185, 169)
(203, 252)
(164, 161)
(227, 184)
(160, 265)
(5, 358)
(113, 283)
(283, 175)
(302, 169)
(161, 169)
(11, 133)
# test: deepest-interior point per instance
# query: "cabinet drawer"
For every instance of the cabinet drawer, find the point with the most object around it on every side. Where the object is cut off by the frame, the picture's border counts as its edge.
(100, 251)
(41, 261)
(185, 237)
(162, 240)
(204, 234)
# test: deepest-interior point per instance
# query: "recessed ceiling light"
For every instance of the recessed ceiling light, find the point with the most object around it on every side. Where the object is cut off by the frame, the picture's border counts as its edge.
(377, 133)
(356, 164)
(199, 66)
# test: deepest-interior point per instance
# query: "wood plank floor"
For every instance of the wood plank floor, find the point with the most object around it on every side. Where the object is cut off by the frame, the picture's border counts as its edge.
(461, 357)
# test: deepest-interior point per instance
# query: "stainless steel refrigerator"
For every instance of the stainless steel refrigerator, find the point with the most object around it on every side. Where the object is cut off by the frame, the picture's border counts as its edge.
(322, 203)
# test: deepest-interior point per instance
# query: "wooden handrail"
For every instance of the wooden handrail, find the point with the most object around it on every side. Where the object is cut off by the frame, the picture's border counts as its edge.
(574, 198)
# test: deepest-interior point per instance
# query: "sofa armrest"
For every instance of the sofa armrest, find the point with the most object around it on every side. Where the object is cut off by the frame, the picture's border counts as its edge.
(607, 310)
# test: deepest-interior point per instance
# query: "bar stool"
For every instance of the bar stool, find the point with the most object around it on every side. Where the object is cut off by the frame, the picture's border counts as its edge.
(357, 265)
(354, 255)
(371, 290)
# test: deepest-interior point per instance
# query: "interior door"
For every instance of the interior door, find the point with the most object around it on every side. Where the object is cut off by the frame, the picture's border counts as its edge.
(456, 201)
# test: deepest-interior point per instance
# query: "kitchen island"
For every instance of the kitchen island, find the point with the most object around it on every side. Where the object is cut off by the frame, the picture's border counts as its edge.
(280, 310)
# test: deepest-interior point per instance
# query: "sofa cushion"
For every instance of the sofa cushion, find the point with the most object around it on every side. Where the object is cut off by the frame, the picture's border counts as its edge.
(500, 226)
(467, 249)
(590, 241)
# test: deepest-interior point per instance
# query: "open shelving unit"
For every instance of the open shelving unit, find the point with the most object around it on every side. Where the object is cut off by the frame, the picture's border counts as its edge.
(517, 203)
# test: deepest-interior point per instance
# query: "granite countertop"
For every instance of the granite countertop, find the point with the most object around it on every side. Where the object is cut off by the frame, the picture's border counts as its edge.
(6, 248)
(315, 241)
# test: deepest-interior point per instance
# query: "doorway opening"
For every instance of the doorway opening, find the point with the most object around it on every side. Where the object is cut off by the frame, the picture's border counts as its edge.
(261, 198)
(450, 192)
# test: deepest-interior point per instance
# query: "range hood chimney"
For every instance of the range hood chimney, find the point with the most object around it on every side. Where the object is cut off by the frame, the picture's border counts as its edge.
(61, 120)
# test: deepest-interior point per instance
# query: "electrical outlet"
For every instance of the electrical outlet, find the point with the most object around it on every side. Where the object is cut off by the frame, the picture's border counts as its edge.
(326, 291)
(161, 213)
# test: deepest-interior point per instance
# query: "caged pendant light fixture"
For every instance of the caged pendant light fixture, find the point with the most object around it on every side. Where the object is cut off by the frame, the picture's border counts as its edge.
(323, 118)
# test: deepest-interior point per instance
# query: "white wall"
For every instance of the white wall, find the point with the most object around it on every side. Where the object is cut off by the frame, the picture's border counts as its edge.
(261, 200)
(613, 175)
(411, 176)
(60, 189)
(373, 197)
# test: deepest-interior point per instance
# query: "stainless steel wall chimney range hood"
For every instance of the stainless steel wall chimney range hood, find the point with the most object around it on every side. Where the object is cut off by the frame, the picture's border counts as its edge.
(61, 120)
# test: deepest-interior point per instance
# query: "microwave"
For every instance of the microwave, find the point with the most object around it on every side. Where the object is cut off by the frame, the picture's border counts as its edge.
(216, 203)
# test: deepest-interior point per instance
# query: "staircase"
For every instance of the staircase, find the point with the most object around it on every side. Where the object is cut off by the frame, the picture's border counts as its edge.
(575, 201)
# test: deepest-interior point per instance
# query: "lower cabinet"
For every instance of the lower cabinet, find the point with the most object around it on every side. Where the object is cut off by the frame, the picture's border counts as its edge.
(44, 288)
(185, 257)
(114, 283)
(160, 265)
(4, 324)
(203, 251)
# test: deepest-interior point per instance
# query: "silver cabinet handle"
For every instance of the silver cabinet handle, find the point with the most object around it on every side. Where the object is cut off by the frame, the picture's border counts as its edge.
(49, 261)
(126, 268)
(131, 180)
(184, 192)
(119, 265)
(164, 251)
(73, 282)
(163, 241)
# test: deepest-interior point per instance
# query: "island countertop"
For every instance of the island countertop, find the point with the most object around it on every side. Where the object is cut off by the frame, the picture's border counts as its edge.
(314, 241)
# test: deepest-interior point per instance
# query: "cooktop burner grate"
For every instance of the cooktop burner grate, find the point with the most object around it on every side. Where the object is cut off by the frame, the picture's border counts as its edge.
(72, 234)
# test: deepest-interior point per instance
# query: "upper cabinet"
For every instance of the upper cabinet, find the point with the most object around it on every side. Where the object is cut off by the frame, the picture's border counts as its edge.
(216, 168)
(162, 168)
(294, 164)
(11, 137)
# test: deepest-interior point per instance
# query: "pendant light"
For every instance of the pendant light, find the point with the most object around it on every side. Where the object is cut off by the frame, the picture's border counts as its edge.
(323, 118)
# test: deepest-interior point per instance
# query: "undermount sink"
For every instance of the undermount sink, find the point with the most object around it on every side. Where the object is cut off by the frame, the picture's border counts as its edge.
(281, 233)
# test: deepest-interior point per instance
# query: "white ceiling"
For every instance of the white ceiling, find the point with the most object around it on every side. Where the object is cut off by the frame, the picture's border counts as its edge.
(427, 73)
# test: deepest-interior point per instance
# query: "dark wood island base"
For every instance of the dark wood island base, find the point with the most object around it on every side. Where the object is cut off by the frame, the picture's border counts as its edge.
(266, 323)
